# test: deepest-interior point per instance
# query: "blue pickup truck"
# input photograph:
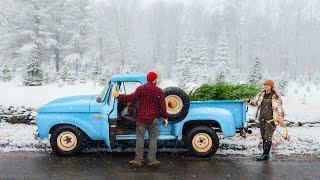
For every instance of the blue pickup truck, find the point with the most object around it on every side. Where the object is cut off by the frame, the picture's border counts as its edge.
(71, 121)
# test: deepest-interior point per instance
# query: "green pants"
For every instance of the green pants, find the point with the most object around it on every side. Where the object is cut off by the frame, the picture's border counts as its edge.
(266, 129)
(153, 133)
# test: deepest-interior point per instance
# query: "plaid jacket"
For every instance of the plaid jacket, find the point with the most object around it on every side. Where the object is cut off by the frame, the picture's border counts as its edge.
(277, 108)
(151, 102)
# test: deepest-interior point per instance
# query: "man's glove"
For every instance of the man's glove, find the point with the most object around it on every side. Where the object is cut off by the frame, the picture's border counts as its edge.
(115, 93)
(164, 122)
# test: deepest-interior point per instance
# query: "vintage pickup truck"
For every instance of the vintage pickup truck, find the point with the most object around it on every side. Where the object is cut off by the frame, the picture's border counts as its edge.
(71, 121)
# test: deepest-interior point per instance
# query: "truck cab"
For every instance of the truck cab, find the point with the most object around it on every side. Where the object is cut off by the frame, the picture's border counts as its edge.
(69, 122)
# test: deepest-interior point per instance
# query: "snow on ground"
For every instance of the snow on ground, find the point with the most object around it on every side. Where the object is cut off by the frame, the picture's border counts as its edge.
(301, 104)
(19, 137)
(34, 96)
(302, 140)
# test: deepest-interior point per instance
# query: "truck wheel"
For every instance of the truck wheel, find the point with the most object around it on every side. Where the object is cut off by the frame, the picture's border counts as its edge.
(177, 102)
(67, 140)
(202, 141)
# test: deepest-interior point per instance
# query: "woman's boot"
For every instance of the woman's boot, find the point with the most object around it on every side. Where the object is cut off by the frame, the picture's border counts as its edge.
(266, 150)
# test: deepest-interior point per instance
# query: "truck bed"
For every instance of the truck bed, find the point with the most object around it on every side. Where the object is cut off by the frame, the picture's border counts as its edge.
(238, 108)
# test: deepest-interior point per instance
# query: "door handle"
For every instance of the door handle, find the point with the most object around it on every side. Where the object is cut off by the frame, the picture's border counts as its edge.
(96, 116)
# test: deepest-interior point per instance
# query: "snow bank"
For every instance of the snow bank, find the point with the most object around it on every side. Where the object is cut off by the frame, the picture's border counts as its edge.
(19, 137)
(14, 94)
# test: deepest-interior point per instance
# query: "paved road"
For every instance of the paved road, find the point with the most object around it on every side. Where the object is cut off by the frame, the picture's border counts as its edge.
(28, 165)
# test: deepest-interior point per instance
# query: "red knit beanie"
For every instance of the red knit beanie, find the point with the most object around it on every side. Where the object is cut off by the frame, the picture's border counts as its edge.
(151, 76)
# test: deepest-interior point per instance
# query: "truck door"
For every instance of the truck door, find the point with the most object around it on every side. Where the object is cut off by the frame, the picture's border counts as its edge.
(109, 112)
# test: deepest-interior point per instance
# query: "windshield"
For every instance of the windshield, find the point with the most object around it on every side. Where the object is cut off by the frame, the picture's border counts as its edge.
(104, 91)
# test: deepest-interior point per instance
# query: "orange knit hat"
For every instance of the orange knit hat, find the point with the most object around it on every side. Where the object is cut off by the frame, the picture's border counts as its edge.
(269, 82)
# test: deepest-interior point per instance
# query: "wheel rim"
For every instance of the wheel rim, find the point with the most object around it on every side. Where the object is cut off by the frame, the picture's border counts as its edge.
(67, 141)
(202, 142)
(174, 104)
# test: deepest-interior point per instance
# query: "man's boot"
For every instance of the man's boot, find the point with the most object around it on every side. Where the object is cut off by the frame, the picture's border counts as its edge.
(136, 163)
(266, 150)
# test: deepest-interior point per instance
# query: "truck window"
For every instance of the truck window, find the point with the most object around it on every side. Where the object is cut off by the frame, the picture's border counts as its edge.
(104, 92)
(111, 97)
(129, 87)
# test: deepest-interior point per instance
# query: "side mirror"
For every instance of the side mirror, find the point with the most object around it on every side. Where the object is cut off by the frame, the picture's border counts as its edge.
(98, 99)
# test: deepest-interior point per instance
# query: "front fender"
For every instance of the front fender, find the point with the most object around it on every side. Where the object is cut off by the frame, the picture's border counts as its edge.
(45, 121)
(222, 116)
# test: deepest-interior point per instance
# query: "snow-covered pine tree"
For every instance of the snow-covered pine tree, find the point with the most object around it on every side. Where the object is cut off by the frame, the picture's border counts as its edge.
(222, 58)
(71, 79)
(255, 74)
(6, 73)
(46, 78)
(303, 79)
(316, 79)
(33, 72)
(161, 71)
(131, 60)
(64, 74)
(79, 23)
(283, 82)
(201, 65)
(96, 72)
(130, 67)
(104, 76)
(82, 77)
(182, 72)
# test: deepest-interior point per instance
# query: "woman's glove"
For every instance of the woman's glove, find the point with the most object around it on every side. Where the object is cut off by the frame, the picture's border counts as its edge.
(280, 121)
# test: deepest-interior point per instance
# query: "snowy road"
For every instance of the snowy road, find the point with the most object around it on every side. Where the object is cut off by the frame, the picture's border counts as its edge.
(28, 165)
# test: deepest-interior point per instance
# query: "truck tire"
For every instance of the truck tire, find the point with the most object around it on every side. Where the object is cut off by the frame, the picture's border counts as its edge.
(177, 102)
(202, 141)
(67, 140)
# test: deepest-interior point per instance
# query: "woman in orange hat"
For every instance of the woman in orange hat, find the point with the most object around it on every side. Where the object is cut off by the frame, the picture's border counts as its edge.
(269, 108)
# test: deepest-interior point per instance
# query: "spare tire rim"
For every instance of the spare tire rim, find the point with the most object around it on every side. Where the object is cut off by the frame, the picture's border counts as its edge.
(202, 142)
(174, 104)
(67, 141)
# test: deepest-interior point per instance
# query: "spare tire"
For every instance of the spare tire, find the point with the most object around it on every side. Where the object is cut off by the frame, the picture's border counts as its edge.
(177, 102)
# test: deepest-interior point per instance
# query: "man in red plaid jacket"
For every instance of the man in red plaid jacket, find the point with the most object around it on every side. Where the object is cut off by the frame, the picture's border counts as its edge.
(151, 106)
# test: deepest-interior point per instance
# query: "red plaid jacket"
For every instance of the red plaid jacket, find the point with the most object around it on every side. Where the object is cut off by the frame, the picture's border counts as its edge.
(151, 103)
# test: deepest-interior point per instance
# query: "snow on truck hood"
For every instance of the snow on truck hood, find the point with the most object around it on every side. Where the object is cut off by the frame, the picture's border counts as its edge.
(69, 104)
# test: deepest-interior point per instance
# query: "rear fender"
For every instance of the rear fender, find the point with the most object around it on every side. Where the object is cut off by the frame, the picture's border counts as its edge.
(220, 116)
